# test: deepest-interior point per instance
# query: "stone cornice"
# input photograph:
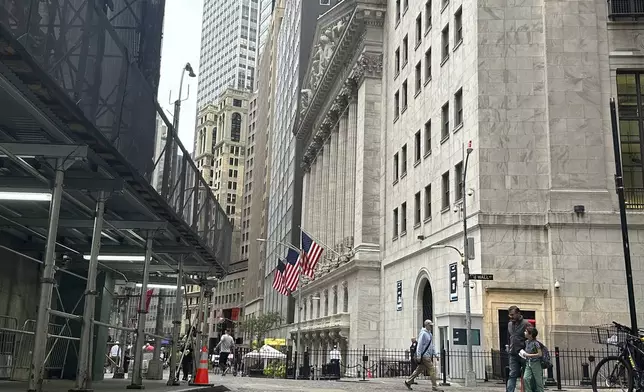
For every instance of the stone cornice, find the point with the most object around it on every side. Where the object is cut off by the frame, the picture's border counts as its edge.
(318, 88)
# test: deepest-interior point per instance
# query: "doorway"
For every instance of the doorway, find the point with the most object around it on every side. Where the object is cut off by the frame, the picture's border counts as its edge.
(504, 318)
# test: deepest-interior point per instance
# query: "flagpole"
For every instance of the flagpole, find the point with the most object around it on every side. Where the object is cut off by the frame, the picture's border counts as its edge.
(299, 317)
(325, 246)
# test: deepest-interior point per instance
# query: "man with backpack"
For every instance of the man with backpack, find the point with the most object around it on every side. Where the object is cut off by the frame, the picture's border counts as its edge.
(424, 357)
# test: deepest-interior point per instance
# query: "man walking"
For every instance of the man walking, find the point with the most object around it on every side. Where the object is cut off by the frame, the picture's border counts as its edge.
(516, 342)
(225, 346)
(424, 356)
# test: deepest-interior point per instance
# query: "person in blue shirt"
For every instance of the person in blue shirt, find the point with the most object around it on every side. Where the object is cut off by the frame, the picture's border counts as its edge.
(425, 356)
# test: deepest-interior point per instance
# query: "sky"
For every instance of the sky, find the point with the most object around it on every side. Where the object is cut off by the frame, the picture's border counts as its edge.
(181, 44)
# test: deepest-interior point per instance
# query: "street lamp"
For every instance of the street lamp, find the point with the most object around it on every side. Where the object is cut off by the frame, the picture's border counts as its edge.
(170, 146)
(299, 301)
(470, 375)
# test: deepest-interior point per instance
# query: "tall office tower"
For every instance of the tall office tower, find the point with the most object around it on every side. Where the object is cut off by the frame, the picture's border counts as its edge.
(250, 173)
(228, 47)
(294, 48)
(256, 222)
(220, 148)
(265, 20)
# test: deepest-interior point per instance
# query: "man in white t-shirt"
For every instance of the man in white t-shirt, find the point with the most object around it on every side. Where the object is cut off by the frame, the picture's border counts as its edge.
(115, 356)
(226, 346)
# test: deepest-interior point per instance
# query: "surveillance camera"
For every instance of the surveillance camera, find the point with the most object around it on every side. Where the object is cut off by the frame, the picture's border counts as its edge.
(557, 284)
(470, 192)
(471, 285)
(455, 208)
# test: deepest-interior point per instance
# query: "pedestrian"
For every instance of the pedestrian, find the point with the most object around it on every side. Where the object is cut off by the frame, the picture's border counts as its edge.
(412, 355)
(516, 342)
(115, 356)
(533, 353)
(424, 356)
(186, 364)
(225, 346)
(334, 356)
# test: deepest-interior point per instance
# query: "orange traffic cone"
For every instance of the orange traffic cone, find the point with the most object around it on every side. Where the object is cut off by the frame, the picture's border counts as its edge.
(201, 378)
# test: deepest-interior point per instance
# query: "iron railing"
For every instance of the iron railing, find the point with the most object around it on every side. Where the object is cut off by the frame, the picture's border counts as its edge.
(634, 198)
(570, 367)
(625, 8)
(111, 76)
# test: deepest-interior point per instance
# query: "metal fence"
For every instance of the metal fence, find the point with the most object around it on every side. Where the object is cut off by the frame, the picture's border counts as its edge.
(628, 8)
(570, 367)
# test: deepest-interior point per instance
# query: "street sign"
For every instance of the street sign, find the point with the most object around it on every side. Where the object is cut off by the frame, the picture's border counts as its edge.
(481, 277)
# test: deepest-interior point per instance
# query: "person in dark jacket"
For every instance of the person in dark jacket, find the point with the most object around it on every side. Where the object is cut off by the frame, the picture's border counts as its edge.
(186, 364)
(412, 353)
(516, 342)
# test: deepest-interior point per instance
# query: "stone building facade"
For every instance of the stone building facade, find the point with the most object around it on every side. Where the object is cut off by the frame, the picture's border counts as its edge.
(529, 85)
(340, 129)
(220, 149)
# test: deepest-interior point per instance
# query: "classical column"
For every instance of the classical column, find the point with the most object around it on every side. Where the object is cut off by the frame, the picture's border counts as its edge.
(324, 230)
(316, 230)
(306, 204)
(350, 168)
(341, 179)
(333, 165)
(311, 195)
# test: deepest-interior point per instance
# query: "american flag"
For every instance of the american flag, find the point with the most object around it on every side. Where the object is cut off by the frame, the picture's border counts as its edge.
(312, 253)
(292, 272)
(278, 279)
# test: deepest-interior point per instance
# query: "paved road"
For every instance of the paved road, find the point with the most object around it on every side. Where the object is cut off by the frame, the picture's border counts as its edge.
(247, 384)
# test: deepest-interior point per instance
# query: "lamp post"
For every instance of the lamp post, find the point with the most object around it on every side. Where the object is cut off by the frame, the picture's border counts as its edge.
(299, 301)
(169, 163)
(470, 375)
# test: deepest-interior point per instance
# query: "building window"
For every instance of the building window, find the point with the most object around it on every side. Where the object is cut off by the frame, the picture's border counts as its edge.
(428, 137)
(395, 167)
(397, 62)
(396, 105)
(419, 29)
(445, 118)
(335, 300)
(428, 202)
(417, 209)
(445, 184)
(428, 65)
(395, 222)
(325, 2)
(417, 146)
(445, 43)
(403, 219)
(630, 97)
(458, 181)
(458, 27)
(403, 160)
(405, 5)
(445, 2)
(397, 11)
(345, 299)
(235, 127)
(404, 95)
(428, 15)
(405, 50)
(419, 78)
(237, 103)
(458, 108)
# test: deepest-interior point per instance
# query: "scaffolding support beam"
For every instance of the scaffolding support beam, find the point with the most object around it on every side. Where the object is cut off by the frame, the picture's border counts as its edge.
(84, 372)
(137, 378)
(46, 286)
(173, 379)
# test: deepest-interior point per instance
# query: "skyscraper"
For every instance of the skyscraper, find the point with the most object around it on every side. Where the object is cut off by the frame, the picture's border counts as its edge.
(228, 47)
(293, 51)
(265, 11)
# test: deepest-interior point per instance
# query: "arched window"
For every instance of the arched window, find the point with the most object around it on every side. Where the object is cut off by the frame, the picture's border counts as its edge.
(335, 299)
(345, 300)
(235, 127)
(326, 302)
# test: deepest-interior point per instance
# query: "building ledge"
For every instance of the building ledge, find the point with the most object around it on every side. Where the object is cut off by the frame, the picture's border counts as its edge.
(332, 322)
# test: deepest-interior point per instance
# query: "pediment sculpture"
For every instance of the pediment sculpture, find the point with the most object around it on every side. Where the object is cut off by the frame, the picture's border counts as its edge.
(324, 49)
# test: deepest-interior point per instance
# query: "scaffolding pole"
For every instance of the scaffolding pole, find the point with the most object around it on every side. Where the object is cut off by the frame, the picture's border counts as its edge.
(84, 378)
(137, 378)
(46, 286)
